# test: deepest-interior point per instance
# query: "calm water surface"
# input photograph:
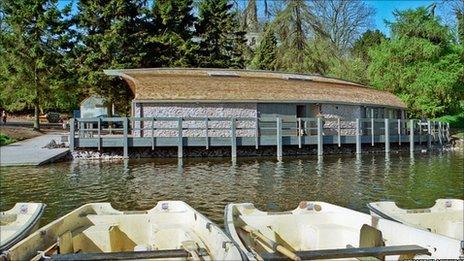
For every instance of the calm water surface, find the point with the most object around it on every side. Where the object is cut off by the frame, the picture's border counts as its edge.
(208, 185)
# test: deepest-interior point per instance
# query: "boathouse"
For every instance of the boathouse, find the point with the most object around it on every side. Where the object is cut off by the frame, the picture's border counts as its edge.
(209, 93)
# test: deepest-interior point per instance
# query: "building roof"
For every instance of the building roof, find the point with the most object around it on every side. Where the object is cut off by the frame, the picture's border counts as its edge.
(227, 85)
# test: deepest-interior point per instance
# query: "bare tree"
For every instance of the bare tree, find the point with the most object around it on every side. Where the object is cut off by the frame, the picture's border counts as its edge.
(342, 21)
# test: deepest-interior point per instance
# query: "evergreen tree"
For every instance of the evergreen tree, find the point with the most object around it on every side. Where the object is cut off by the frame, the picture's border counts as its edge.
(32, 44)
(175, 22)
(368, 40)
(266, 53)
(221, 43)
(113, 34)
(460, 18)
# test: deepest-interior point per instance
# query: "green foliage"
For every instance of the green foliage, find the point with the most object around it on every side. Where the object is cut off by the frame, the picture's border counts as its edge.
(455, 121)
(221, 43)
(266, 53)
(368, 40)
(420, 65)
(174, 20)
(460, 18)
(33, 39)
(5, 140)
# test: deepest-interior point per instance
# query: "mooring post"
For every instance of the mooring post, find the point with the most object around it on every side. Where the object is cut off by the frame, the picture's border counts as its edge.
(233, 138)
(411, 136)
(372, 131)
(429, 135)
(279, 137)
(180, 138)
(339, 134)
(387, 135)
(358, 136)
(71, 134)
(320, 150)
(125, 141)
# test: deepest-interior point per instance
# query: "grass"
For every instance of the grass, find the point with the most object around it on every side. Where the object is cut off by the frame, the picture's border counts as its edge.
(5, 140)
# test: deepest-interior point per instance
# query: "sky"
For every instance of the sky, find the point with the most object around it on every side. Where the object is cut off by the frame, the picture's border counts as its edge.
(384, 10)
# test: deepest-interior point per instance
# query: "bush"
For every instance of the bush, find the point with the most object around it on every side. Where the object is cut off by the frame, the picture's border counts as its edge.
(455, 121)
(5, 140)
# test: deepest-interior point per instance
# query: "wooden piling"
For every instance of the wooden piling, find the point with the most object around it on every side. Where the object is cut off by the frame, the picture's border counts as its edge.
(358, 136)
(300, 133)
(72, 134)
(125, 124)
(180, 138)
(320, 150)
(372, 131)
(440, 133)
(339, 130)
(99, 133)
(429, 135)
(233, 138)
(279, 137)
(411, 136)
(387, 135)
(256, 133)
(399, 131)
(152, 133)
(207, 133)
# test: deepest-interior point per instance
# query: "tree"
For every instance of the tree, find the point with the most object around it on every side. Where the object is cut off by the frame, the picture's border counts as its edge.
(460, 18)
(32, 46)
(420, 64)
(266, 53)
(221, 43)
(250, 17)
(368, 40)
(175, 20)
(342, 21)
(114, 34)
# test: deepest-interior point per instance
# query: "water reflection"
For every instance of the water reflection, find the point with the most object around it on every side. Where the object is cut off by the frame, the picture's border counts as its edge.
(208, 185)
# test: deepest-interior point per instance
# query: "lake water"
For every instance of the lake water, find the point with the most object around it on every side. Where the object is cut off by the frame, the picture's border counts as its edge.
(209, 184)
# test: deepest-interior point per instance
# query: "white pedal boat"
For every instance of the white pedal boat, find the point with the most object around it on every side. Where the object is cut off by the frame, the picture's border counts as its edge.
(318, 230)
(19, 222)
(171, 230)
(446, 217)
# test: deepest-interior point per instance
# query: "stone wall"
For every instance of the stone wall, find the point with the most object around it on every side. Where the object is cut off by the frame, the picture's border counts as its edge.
(203, 110)
(347, 115)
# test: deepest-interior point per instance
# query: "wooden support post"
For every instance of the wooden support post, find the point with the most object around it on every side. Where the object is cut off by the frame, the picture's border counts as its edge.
(440, 133)
(339, 134)
(126, 138)
(99, 133)
(387, 135)
(279, 137)
(152, 133)
(206, 133)
(411, 136)
(429, 135)
(233, 138)
(372, 131)
(256, 133)
(180, 138)
(399, 131)
(71, 134)
(358, 136)
(448, 137)
(320, 150)
(300, 133)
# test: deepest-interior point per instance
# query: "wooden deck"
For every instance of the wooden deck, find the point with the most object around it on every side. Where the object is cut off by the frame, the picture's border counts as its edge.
(251, 132)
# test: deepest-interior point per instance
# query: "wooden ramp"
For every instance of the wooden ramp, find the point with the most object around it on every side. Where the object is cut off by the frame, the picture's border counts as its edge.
(31, 152)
